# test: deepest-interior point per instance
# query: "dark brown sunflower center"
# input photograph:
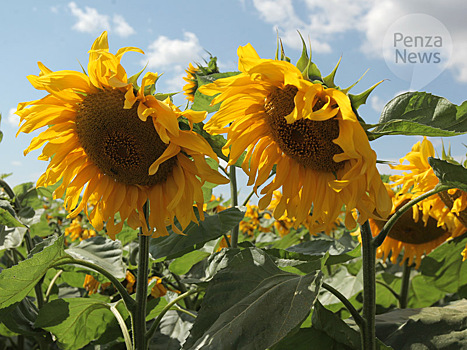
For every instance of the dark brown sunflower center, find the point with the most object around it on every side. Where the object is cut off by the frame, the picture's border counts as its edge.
(406, 230)
(118, 142)
(308, 142)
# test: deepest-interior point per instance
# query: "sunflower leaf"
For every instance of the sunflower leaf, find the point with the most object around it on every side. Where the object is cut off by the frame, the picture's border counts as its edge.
(427, 328)
(17, 281)
(196, 236)
(421, 113)
(11, 237)
(239, 296)
(75, 321)
(101, 251)
(449, 174)
(444, 269)
(174, 329)
(203, 102)
(7, 219)
(344, 335)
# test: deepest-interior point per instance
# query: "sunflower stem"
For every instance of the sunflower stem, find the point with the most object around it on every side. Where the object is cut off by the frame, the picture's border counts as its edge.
(368, 331)
(234, 200)
(139, 312)
(157, 321)
(127, 299)
(404, 293)
(393, 219)
(358, 319)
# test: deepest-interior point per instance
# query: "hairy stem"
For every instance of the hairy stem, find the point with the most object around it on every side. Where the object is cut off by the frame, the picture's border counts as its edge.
(404, 294)
(234, 199)
(139, 312)
(127, 299)
(368, 333)
(157, 321)
(358, 319)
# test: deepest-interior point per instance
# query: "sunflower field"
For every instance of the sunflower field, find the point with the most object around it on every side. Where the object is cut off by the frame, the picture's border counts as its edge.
(125, 243)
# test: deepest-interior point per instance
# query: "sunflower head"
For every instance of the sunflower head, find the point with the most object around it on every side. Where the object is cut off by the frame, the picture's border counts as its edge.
(415, 233)
(192, 76)
(418, 177)
(117, 146)
(285, 117)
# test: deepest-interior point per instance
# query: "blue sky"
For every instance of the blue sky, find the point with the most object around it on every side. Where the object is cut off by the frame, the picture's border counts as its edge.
(174, 33)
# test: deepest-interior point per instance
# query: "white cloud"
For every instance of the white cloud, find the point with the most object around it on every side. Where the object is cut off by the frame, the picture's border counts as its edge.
(121, 27)
(372, 18)
(16, 163)
(89, 20)
(175, 82)
(377, 103)
(325, 19)
(12, 118)
(164, 52)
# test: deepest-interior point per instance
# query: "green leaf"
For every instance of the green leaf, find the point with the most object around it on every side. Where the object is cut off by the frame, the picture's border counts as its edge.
(420, 113)
(318, 246)
(345, 336)
(183, 264)
(444, 268)
(347, 284)
(11, 237)
(9, 220)
(203, 102)
(127, 235)
(302, 339)
(101, 251)
(427, 328)
(75, 321)
(196, 236)
(173, 330)
(17, 281)
(251, 303)
(155, 307)
(216, 142)
(27, 195)
(20, 318)
(449, 174)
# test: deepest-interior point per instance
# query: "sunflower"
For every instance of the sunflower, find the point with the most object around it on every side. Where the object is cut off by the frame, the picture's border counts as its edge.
(192, 83)
(117, 145)
(309, 132)
(413, 235)
(420, 179)
(77, 232)
(192, 73)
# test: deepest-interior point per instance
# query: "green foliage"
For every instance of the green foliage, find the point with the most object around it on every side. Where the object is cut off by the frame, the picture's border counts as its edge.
(449, 174)
(100, 251)
(421, 113)
(20, 318)
(17, 281)
(75, 321)
(428, 328)
(343, 336)
(251, 285)
(8, 216)
(444, 268)
(174, 329)
(203, 102)
(196, 236)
